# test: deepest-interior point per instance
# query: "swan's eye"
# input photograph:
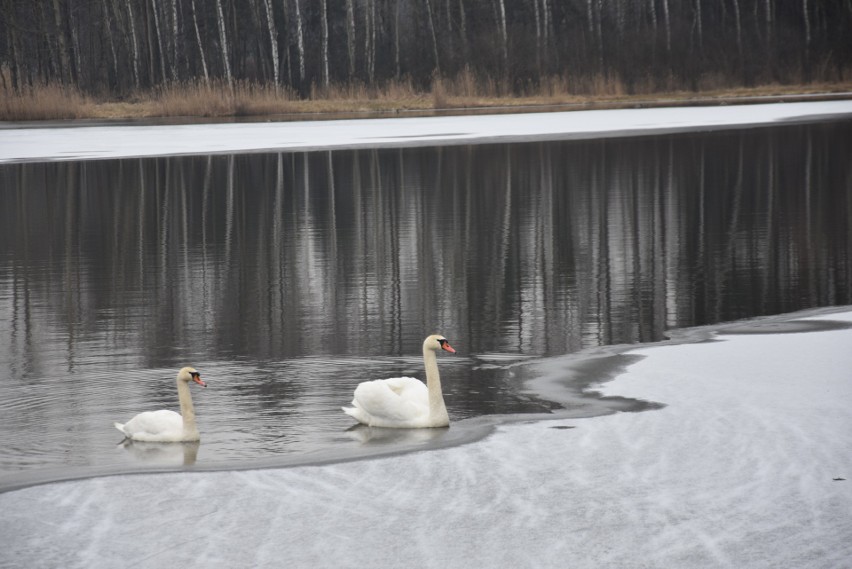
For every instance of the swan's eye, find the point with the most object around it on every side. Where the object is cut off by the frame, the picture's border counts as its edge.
(194, 373)
(442, 341)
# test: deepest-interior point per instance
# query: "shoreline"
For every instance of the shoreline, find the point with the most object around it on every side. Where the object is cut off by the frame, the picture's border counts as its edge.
(46, 144)
(559, 379)
(142, 112)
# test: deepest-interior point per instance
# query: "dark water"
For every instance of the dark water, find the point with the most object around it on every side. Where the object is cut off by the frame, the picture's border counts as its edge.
(288, 278)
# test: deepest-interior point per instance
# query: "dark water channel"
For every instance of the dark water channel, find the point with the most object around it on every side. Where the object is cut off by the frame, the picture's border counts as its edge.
(288, 278)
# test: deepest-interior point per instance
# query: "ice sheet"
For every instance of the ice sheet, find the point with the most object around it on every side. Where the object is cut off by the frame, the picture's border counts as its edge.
(114, 141)
(737, 470)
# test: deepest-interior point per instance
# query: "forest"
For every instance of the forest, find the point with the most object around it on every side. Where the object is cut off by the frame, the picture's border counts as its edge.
(506, 47)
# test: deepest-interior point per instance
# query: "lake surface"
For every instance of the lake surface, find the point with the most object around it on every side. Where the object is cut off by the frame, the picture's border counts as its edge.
(288, 278)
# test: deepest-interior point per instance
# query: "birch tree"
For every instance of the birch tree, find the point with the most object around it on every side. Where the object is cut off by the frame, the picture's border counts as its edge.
(324, 25)
(300, 42)
(273, 40)
(110, 40)
(160, 51)
(133, 43)
(350, 37)
(223, 41)
(370, 39)
(201, 54)
(434, 36)
(504, 36)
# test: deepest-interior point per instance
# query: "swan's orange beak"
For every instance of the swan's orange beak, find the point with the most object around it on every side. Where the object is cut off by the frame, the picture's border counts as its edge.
(446, 345)
(196, 377)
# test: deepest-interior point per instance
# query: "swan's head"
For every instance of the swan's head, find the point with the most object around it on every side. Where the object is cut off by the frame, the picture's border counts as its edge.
(438, 342)
(188, 374)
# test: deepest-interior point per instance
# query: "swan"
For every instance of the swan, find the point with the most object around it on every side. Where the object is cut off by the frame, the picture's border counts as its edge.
(167, 426)
(405, 402)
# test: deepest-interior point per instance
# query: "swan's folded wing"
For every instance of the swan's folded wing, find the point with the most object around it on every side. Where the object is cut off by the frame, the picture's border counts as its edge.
(153, 423)
(398, 399)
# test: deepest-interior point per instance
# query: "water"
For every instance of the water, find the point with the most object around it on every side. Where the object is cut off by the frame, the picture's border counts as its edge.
(288, 278)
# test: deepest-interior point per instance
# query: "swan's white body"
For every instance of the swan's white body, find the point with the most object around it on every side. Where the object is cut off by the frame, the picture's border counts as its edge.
(404, 402)
(167, 426)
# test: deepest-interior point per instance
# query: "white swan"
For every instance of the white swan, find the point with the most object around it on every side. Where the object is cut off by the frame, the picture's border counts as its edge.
(167, 426)
(405, 402)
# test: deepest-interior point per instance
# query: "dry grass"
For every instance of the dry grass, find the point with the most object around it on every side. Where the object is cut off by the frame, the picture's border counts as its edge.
(217, 99)
(43, 102)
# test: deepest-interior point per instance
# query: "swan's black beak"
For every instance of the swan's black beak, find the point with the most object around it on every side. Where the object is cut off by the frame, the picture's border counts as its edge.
(196, 377)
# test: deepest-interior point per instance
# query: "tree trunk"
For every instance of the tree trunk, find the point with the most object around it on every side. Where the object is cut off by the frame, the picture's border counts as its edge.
(78, 73)
(350, 37)
(768, 5)
(537, 37)
(154, 4)
(273, 39)
(14, 47)
(64, 56)
(133, 43)
(370, 39)
(397, 70)
(807, 19)
(463, 30)
(699, 24)
(504, 37)
(200, 43)
(434, 36)
(668, 27)
(110, 40)
(739, 27)
(175, 42)
(287, 58)
(223, 39)
(300, 42)
(324, 25)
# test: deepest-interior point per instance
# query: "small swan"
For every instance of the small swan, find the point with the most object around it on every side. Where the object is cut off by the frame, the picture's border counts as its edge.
(405, 402)
(167, 426)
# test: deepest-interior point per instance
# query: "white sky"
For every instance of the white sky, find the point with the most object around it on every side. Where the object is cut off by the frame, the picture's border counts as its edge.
(116, 141)
(738, 470)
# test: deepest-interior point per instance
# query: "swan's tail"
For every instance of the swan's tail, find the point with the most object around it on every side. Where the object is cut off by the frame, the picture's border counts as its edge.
(357, 413)
(120, 427)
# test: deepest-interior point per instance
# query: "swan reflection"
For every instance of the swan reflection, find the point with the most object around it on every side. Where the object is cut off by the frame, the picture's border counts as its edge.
(162, 454)
(384, 436)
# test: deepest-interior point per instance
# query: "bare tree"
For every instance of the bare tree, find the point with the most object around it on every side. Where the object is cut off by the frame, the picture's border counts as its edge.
(110, 40)
(65, 58)
(370, 39)
(350, 37)
(176, 41)
(463, 29)
(504, 36)
(201, 54)
(133, 43)
(324, 25)
(396, 27)
(223, 40)
(739, 28)
(300, 42)
(273, 39)
(160, 51)
(434, 36)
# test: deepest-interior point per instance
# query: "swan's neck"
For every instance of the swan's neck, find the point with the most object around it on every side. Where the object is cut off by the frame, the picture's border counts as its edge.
(437, 409)
(187, 411)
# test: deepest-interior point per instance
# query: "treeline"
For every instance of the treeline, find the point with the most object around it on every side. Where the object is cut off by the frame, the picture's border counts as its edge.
(117, 47)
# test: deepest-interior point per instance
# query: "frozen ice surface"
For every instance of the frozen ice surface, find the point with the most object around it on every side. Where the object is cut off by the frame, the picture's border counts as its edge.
(116, 141)
(737, 470)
